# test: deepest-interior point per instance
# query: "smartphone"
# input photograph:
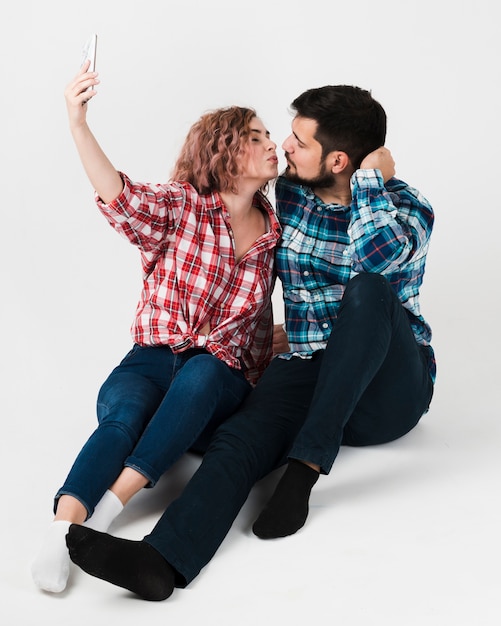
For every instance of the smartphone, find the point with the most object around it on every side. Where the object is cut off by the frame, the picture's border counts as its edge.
(89, 52)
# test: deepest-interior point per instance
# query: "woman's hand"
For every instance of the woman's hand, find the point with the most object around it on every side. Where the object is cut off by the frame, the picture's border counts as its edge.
(280, 343)
(78, 93)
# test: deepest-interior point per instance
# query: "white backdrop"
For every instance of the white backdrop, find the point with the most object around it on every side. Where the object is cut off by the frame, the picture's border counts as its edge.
(69, 284)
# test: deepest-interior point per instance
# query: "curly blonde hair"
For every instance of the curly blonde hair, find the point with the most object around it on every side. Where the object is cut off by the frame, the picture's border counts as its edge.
(209, 156)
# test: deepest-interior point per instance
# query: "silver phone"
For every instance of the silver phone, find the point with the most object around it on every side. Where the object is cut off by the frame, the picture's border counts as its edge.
(89, 52)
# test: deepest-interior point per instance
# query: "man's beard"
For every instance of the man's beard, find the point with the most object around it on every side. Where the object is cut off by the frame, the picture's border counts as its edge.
(323, 179)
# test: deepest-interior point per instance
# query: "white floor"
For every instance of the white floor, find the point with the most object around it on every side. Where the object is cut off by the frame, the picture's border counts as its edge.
(402, 534)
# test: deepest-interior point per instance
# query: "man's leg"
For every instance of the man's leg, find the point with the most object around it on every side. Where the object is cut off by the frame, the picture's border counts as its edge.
(373, 387)
(245, 448)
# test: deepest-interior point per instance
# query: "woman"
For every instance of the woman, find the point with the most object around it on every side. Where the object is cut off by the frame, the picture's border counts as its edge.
(203, 327)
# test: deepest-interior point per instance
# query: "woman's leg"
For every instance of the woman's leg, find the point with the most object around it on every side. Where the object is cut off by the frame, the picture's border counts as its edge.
(125, 405)
(126, 401)
(203, 394)
(51, 567)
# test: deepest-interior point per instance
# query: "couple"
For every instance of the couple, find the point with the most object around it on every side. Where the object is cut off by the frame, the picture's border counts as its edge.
(355, 366)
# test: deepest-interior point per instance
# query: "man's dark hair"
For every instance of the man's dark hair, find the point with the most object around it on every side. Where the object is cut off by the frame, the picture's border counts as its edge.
(348, 118)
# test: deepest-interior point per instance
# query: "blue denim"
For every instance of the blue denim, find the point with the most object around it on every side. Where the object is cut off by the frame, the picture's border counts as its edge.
(153, 407)
(370, 385)
(379, 389)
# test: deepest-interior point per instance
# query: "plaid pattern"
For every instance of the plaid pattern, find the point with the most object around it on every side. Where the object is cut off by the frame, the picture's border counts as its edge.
(191, 278)
(385, 230)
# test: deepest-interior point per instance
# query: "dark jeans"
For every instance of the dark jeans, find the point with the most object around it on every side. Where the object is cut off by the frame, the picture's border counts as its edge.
(152, 408)
(371, 385)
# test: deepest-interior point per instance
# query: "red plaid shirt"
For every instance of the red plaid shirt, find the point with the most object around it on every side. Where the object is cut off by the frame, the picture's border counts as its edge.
(190, 276)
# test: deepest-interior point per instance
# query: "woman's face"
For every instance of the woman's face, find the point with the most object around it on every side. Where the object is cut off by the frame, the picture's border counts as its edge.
(259, 159)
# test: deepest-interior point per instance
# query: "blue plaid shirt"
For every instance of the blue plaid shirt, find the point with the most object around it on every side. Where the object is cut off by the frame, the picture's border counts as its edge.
(386, 230)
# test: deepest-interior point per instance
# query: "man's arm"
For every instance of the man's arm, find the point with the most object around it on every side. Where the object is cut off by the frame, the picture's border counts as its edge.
(387, 229)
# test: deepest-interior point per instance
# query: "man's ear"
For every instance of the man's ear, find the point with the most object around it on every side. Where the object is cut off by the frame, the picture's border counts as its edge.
(337, 161)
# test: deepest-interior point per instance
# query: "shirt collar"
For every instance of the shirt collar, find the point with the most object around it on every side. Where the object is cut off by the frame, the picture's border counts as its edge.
(313, 198)
(214, 202)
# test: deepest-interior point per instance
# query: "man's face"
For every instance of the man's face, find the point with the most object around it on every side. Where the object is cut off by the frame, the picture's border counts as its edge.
(303, 153)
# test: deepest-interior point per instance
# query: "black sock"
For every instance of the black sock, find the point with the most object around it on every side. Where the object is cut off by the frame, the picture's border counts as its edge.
(287, 510)
(134, 565)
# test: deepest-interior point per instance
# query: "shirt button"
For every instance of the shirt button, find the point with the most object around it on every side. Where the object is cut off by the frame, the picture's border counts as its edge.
(325, 325)
(306, 273)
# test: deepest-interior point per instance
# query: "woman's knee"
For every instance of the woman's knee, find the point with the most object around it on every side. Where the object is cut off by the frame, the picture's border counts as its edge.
(127, 398)
(206, 373)
(206, 365)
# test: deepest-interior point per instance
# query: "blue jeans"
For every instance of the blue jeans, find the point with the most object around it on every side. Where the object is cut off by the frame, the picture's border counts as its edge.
(153, 407)
(371, 385)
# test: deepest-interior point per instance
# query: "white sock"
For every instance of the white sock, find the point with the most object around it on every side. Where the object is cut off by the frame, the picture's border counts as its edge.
(51, 567)
(105, 512)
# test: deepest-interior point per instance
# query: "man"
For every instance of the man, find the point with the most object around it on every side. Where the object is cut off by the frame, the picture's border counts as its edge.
(358, 368)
